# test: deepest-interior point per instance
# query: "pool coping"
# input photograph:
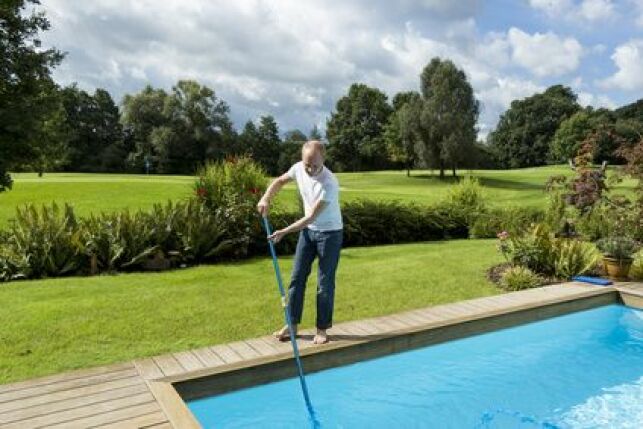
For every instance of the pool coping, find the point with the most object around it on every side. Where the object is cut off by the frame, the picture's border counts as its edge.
(407, 330)
(144, 393)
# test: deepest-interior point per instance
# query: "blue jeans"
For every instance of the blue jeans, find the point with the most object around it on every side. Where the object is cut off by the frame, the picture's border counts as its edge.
(326, 245)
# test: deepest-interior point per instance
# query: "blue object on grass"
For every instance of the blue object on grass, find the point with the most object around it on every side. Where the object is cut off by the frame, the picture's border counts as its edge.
(593, 280)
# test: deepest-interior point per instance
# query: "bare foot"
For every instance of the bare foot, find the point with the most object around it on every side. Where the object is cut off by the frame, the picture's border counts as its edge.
(321, 337)
(284, 333)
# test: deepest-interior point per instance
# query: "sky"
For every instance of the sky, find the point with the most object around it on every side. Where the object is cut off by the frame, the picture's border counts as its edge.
(294, 59)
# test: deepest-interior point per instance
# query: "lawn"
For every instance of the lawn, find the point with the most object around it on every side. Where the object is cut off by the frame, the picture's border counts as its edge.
(107, 192)
(54, 325)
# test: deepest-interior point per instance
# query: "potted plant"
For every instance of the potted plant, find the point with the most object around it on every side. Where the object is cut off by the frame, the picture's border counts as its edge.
(618, 252)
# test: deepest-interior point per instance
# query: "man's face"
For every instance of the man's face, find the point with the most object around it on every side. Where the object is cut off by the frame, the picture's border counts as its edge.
(313, 162)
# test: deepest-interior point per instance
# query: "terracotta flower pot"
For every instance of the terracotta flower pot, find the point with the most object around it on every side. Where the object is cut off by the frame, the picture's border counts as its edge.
(617, 269)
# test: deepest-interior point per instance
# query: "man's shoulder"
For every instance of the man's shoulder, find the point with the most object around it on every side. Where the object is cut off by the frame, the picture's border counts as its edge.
(295, 170)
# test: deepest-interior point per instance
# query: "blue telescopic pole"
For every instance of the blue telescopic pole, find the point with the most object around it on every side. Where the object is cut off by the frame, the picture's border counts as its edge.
(293, 340)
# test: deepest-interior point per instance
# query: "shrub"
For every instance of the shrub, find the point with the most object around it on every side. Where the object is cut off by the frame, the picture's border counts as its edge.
(519, 278)
(618, 247)
(534, 250)
(43, 243)
(466, 198)
(230, 182)
(231, 190)
(13, 266)
(6, 182)
(205, 235)
(574, 257)
(385, 222)
(636, 272)
(514, 220)
(119, 240)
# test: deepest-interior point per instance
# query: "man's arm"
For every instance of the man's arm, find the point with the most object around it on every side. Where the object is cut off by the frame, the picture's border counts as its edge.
(264, 203)
(301, 223)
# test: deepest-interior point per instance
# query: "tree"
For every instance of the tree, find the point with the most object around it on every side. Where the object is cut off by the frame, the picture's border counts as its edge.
(315, 134)
(525, 131)
(290, 149)
(355, 129)
(25, 75)
(400, 131)
(265, 149)
(178, 131)
(631, 111)
(96, 134)
(49, 148)
(569, 136)
(141, 113)
(446, 117)
(608, 130)
(200, 122)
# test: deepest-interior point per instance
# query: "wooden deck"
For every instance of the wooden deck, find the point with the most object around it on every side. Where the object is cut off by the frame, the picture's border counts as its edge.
(140, 394)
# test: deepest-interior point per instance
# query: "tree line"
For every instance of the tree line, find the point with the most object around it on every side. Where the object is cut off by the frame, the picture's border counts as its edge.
(45, 127)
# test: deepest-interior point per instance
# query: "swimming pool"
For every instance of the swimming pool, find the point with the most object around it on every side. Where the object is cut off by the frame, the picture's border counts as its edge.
(579, 370)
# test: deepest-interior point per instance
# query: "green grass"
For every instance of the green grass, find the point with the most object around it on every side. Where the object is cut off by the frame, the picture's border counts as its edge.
(61, 324)
(107, 192)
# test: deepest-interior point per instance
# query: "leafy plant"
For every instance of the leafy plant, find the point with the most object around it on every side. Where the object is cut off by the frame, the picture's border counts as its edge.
(636, 272)
(519, 278)
(48, 241)
(203, 234)
(618, 247)
(467, 199)
(513, 220)
(120, 240)
(534, 250)
(574, 257)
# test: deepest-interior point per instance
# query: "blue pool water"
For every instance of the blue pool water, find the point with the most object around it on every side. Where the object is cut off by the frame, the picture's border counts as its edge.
(582, 370)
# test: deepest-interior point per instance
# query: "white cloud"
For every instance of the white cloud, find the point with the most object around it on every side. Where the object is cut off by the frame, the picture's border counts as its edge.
(595, 10)
(544, 54)
(601, 100)
(638, 11)
(552, 7)
(294, 59)
(628, 58)
(587, 10)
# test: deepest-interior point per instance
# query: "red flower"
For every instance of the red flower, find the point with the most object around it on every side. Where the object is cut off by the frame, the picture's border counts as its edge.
(253, 191)
(201, 192)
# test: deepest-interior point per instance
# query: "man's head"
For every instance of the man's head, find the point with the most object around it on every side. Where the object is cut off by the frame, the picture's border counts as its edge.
(312, 155)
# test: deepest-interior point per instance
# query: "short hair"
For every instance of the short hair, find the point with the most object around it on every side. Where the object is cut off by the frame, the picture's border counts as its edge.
(315, 145)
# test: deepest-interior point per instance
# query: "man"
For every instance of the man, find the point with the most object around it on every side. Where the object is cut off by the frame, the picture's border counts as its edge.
(320, 234)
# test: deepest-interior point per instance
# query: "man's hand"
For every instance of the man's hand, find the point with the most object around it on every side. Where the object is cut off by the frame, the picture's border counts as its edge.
(276, 236)
(262, 207)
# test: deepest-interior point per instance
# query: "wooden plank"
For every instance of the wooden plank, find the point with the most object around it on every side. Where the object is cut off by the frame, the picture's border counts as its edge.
(168, 364)
(148, 369)
(67, 416)
(226, 353)
(208, 357)
(119, 417)
(367, 328)
(261, 347)
(167, 425)
(154, 420)
(355, 329)
(387, 325)
(87, 400)
(188, 360)
(66, 376)
(61, 395)
(245, 351)
(40, 389)
(173, 406)
(412, 316)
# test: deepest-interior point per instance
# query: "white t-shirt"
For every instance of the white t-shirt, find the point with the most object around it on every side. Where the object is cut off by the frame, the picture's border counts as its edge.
(323, 186)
